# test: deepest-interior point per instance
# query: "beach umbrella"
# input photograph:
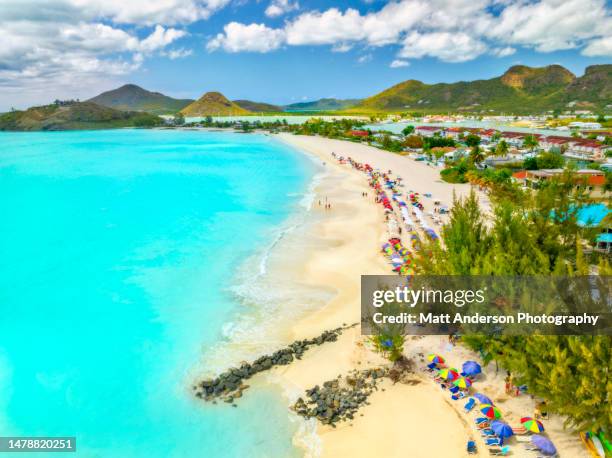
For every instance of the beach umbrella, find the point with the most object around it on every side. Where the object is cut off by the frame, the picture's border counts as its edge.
(462, 382)
(435, 358)
(471, 368)
(490, 411)
(501, 429)
(544, 444)
(533, 425)
(483, 399)
(449, 373)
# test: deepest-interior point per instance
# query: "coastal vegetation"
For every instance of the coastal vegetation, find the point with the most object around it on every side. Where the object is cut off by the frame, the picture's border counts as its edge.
(533, 232)
(74, 115)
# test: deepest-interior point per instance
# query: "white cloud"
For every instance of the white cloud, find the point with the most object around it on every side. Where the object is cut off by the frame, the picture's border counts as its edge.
(446, 46)
(342, 47)
(280, 7)
(160, 38)
(364, 59)
(178, 53)
(503, 52)
(599, 47)
(51, 50)
(329, 27)
(238, 37)
(398, 63)
(552, 25)
(148, 12)
(450, 30)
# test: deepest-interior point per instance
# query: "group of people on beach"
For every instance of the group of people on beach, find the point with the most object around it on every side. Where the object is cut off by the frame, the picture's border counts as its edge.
(327, 204)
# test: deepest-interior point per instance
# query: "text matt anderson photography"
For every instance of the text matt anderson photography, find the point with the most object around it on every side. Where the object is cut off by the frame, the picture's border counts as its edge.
(306, 228)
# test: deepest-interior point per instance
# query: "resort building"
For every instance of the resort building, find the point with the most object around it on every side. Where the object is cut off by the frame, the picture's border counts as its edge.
(593, 180)
(428, 131)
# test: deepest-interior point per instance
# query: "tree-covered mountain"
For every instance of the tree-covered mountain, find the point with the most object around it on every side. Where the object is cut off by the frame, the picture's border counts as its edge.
(258, 107)
(520, 89)
(322, 105)
(74, 116)
(213, 104)
(134, 98)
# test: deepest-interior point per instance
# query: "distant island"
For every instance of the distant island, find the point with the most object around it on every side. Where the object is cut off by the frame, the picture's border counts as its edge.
(74, 115)
(259, 107)
(130, 97)
(323, 105)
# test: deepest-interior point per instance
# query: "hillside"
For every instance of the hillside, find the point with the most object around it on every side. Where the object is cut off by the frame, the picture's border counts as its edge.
(134, 98)
(595, 84)
(322, 105)
(213, 104)
(74, 116)
(258, 107)
(520, 89)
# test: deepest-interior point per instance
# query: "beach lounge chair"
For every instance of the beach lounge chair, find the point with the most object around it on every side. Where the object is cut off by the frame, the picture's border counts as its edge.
(453, 389)
(494, 441)
(488, 432)
(459, 395)
(470, 404)
(499, 451)
(471, 447)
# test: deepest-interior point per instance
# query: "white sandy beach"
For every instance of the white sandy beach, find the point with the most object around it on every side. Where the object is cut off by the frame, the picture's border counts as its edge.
(416, 419)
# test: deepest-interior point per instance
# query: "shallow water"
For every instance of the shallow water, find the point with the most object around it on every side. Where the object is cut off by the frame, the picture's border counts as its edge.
(118, 257)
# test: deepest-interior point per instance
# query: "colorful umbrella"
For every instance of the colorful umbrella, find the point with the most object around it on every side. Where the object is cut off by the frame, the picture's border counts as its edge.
(501, 429)
(471, 368)
(483, 399)
(490, 411)
(533, 425)
(462, 382)
(544, 444)
(449, 373)
(435, 358)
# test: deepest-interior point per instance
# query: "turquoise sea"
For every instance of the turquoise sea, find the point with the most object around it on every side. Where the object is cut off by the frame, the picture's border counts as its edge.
(116, 251)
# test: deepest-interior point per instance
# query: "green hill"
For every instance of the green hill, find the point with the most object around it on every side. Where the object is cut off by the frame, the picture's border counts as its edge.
(258, 107)
(213, 104)
(520, 90)
(323, 105)
(595, 85)
(134, 98)
(74, 116)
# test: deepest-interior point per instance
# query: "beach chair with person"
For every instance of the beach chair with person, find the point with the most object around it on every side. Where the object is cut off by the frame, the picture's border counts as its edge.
(471, 447)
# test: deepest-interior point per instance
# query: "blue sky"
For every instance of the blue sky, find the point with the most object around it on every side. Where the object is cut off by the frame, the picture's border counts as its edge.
(284, 51)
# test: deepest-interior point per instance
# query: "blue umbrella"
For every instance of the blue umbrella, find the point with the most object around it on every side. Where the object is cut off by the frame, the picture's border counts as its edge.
(483, 399)
(501, 429)
(471, 368)
(544, 444)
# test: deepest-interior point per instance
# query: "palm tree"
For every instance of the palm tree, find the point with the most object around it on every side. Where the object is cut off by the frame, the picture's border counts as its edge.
(476, 155)
(502, 148)
(530, 142)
